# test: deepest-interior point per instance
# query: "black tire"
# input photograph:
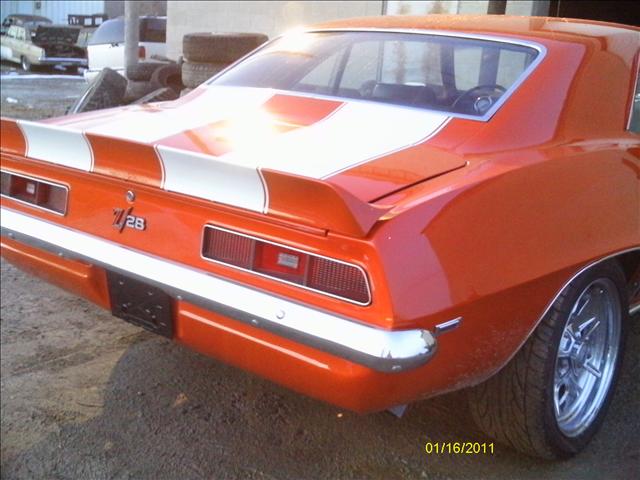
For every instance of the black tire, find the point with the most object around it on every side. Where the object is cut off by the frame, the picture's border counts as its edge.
(25, 64)
(161, 95)
(107, 90)
(136, 90)
(516, 406)
(194, 74)
(142, 71)
(219, 47)
(169, 76)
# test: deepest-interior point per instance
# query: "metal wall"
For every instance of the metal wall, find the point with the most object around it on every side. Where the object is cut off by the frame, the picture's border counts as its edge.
(56, 10)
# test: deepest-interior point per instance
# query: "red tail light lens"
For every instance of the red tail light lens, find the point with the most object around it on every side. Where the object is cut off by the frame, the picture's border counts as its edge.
(46, 195)
(321, 274)
(227, 247)
(142, 53)
(339, 279)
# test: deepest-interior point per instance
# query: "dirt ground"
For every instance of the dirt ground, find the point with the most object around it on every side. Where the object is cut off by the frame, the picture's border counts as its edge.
(87, 396)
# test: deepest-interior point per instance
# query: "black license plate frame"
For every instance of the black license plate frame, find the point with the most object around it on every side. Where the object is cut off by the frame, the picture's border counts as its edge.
(140, 304)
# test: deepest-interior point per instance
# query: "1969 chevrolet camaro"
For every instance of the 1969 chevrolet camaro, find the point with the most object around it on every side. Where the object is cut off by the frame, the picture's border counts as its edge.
(368, 212)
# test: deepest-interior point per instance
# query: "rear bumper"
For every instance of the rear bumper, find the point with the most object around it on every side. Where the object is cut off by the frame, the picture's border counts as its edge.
(64, 61)
(322, 355)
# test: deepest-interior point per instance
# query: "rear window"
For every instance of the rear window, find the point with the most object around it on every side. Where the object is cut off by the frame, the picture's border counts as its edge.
(455, 74)
(112, 31)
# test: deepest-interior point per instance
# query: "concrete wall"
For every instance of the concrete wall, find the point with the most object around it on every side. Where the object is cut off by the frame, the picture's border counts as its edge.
(271, 18)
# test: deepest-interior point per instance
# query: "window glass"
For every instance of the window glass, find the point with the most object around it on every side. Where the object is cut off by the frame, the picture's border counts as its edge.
(153, 30)
(411, 63)
(362, 65)
(453, 74)
(322, 78)
(467, 62)
(111, 31)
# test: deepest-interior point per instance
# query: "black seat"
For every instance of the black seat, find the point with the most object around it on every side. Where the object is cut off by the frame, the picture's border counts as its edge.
(417, 95)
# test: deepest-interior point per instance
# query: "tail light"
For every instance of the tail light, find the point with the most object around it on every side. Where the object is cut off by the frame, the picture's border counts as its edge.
(142, 53)
(310, 271)
(39, 193)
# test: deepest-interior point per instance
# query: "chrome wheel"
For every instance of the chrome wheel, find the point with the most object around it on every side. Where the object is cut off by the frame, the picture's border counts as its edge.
(586, 359)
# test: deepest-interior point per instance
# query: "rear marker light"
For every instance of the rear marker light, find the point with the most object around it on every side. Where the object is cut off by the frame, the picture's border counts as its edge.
(310, 271)
(35, 192)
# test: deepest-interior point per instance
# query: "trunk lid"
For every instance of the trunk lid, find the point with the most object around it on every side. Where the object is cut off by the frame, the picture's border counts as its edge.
(314, 161)
(58, 40)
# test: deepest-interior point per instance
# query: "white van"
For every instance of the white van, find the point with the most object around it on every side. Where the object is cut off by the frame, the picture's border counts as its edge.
(106, 45)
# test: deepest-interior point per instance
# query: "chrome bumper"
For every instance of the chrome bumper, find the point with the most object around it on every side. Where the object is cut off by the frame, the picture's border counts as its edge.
(381, 350)
(64, 61)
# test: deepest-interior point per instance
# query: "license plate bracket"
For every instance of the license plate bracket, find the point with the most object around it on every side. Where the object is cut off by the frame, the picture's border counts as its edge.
(141, 304)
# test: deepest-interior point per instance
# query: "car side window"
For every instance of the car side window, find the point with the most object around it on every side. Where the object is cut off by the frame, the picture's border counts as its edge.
(634, 123)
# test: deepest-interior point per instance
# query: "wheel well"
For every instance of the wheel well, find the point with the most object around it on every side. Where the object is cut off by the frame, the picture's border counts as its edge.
(630, 263)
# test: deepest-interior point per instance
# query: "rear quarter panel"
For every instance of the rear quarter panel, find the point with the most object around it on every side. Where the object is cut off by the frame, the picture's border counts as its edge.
(553, 184)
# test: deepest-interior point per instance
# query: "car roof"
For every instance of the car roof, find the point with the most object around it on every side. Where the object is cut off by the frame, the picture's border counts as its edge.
(538, 27)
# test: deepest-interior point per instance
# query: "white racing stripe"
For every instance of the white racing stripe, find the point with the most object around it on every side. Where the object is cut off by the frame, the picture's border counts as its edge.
(213, 179)
(143, 125)
(54, 144)
(356, 133)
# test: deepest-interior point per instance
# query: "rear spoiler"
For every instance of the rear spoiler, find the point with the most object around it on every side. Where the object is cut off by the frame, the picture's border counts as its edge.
(293, 198)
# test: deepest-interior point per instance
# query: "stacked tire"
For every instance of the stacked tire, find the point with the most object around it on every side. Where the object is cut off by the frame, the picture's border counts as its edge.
(148, 78)
(206, 54)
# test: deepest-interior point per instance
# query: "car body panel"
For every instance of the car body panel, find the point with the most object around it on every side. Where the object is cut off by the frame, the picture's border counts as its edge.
(479, 221)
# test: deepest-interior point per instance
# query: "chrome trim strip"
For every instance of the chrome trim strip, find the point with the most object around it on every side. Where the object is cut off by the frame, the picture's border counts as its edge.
(39, 207)
(447, 326)
(381, 350)
(69, 60)
(633, 309)
(215, 227)
(634, 92)
(542, 52)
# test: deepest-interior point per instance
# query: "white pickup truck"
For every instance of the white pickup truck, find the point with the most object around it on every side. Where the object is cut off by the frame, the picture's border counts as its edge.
(106, 45)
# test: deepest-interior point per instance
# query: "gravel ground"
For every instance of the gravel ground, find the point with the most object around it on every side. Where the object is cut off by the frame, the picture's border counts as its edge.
(87, 396)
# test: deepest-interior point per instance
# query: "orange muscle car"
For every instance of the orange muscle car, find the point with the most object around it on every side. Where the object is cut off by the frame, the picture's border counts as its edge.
(368, 212)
